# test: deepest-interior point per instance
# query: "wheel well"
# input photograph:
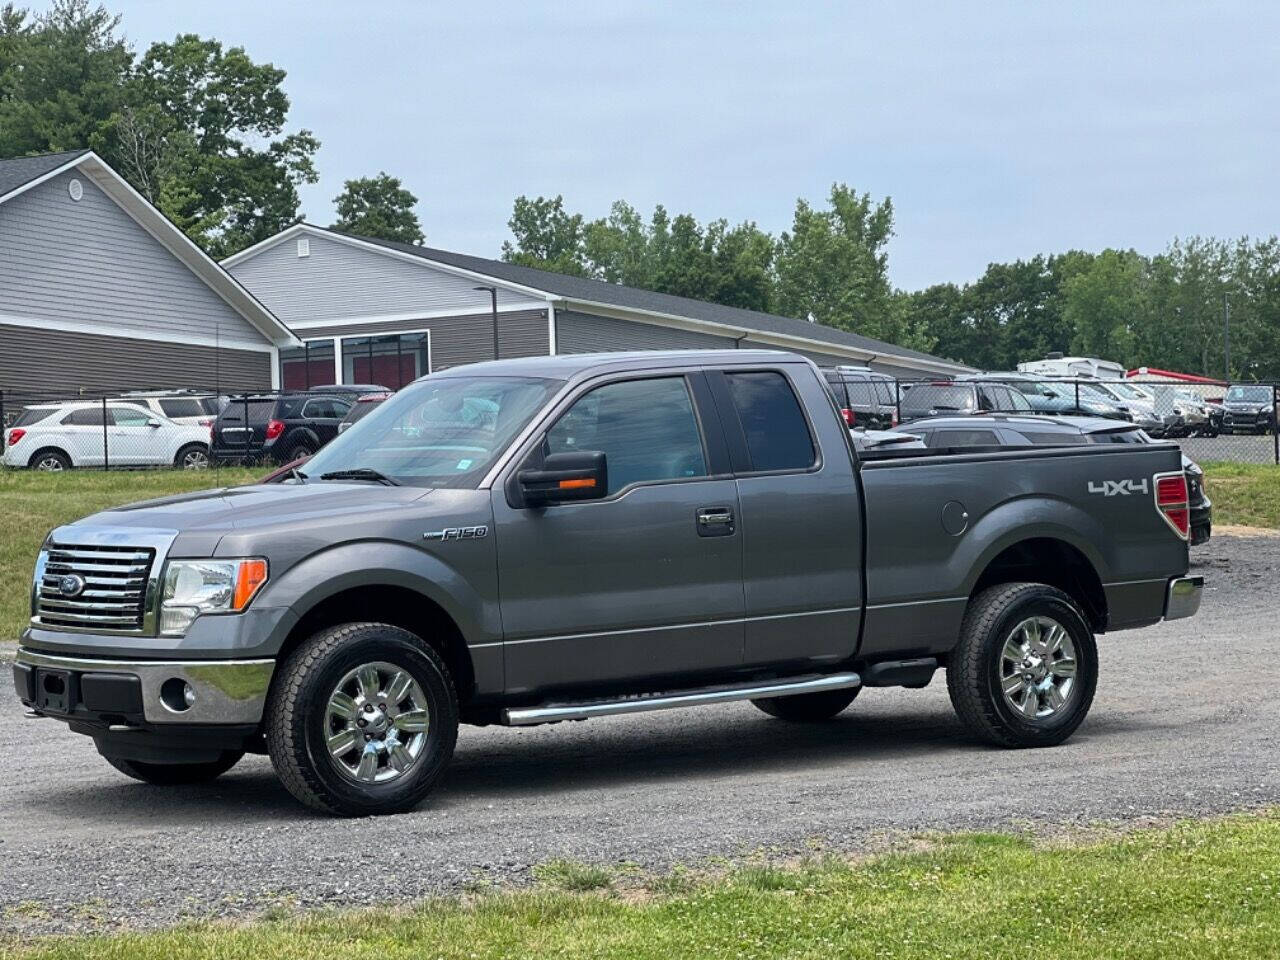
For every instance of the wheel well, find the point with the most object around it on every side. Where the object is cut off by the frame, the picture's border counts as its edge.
(48, 448)
(1055, 562)
(400, 607)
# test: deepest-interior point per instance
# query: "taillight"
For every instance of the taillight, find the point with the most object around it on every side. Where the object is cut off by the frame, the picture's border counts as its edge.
(15, 435)
(893, 419)
(1173, 503)
(850, 418)
(274, 428)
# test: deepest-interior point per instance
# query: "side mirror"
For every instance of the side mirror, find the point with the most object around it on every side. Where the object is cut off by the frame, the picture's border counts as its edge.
(153, 423)
(565, 478)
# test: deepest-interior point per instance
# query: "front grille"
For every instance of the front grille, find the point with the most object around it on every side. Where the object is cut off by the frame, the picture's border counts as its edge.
(114, 594)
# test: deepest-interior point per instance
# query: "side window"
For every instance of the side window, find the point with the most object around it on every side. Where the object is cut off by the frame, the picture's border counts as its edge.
(777, 433)
(325, 408)
(645, 428)
(84, 417)
(129, 416)
(1017, 401)
(987, 398)
(884, 390)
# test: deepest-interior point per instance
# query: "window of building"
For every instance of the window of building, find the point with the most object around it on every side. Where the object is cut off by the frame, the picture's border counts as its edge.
(393, 360)
(307, 366)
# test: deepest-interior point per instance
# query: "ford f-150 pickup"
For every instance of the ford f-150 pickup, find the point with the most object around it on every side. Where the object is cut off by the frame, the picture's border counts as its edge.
(566, 537)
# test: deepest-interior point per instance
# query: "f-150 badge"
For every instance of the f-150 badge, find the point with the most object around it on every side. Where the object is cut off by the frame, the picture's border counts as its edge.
(1118, 488)
(457, 533)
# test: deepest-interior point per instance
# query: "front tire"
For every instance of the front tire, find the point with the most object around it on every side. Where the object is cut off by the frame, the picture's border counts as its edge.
(808, 707)
(194, 456)
(1024, 671)
(176, 774)
(362, 719)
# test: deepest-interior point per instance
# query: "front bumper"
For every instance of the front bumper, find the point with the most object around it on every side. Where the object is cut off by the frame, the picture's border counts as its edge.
(227, 692)
(1183, 597)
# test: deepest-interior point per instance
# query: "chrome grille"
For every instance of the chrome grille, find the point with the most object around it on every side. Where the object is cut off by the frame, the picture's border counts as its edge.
(115, 586)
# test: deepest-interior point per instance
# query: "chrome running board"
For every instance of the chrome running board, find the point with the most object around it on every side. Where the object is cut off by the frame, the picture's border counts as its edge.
(524, 716)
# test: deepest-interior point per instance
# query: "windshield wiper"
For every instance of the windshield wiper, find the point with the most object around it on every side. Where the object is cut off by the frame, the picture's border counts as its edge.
(360, 473)
(296, 474)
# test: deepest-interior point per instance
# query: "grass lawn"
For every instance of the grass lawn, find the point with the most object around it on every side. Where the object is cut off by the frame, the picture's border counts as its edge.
(1194, 890)
(1244, 493)
(31, 504)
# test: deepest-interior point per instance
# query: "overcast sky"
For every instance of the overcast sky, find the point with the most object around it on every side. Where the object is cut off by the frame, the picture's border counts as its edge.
(1000, 129)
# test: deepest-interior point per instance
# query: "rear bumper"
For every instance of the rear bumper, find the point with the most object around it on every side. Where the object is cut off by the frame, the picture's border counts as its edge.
(1183, 597)
(227, 692)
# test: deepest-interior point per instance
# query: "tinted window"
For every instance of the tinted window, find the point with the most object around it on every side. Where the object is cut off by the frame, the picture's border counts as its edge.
(1249, 395)
(84, 417)
(183, 407)
(1044, 438)
(32, 415)
(836, 386)
(777, 433)
(964, 438)
(326, 408)
(884, 390)
(646, 429)
(1117, 436)
(926, 397)
(259, 410)
(860, 393)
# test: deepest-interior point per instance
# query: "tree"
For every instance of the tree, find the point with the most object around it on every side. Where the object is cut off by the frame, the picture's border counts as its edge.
(546, 236)
(378, 207)
(1106, 304)
(832, 266)
(62, 77)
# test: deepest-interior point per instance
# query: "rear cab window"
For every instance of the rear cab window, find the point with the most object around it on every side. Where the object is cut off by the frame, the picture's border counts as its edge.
(773, 422)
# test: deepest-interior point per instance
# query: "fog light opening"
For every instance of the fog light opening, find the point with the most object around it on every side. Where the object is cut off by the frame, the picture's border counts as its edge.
(177, 695)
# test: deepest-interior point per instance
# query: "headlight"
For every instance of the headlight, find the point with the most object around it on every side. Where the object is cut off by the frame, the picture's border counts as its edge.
(193, 587)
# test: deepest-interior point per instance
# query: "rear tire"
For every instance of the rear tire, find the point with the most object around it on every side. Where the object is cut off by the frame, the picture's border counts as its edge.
(362, 719)
(808, 707)
(194, 456)
(176, 774)
(1005, 682)
(50, 460)
(297, 452)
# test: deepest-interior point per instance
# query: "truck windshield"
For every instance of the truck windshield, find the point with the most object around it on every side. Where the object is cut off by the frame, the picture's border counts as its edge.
(437, 433)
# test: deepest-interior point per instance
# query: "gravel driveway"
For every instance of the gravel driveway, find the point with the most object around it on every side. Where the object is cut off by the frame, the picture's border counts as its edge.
(1186, 721)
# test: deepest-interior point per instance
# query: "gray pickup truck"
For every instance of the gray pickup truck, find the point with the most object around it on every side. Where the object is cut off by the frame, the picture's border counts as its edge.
(559, 538)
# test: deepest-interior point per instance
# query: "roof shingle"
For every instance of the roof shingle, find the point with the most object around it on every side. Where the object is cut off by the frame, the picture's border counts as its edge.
(20, 171)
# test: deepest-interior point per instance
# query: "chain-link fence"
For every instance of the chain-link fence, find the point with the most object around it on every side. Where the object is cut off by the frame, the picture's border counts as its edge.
(194, 429)
(202, 428)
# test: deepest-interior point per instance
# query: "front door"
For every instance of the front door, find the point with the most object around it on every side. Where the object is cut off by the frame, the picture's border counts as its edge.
(645, 582)
(136, 437)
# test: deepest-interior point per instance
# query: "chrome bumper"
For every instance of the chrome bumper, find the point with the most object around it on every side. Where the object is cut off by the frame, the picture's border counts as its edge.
(1183, 599)
(226, 691)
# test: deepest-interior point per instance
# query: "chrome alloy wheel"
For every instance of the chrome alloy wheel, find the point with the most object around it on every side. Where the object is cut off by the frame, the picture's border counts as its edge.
(49, 464)
(1038, 668)
(195, 460)
(376, 723)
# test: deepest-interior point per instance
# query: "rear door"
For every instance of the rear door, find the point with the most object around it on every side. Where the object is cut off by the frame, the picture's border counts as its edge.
(801, 521)
(81, 432)
(323, 414)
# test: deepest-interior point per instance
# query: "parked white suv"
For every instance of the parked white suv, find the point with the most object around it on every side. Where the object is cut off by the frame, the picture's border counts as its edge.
(58, 436)
(180, 406)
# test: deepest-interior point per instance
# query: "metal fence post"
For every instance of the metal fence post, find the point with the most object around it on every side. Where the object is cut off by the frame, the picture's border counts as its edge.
(897, 398)
(1078, 410)
(1275, 425)
(106, 457)
(4, 434)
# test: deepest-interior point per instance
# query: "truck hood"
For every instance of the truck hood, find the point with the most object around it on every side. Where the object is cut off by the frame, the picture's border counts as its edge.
(228, 509)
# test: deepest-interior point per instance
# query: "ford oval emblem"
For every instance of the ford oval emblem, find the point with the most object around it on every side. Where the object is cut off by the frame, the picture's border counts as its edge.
(72, 585)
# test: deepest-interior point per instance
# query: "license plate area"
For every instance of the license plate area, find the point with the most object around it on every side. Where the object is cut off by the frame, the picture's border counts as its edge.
(53, 690)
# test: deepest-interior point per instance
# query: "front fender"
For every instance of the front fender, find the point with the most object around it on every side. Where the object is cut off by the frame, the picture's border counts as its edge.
(380, 563)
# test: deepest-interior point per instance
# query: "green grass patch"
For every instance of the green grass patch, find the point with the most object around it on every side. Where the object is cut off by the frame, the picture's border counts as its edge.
(34, 503)
(1191, 891)
(573, 876)
(1244, 493)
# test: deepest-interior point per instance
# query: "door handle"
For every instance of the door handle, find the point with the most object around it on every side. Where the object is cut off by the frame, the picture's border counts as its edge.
(715, 521)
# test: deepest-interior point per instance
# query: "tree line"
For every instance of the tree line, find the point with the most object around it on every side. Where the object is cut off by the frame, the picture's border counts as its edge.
(202, 131)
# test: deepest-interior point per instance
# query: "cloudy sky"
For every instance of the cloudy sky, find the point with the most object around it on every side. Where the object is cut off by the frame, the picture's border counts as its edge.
(1000, 129)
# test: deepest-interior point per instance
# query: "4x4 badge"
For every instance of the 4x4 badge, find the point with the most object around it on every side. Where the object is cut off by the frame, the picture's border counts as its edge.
(1122, 488)
(457, 533)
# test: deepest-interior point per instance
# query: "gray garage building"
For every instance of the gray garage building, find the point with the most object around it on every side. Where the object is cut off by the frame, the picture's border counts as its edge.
(374, 311)
(99, 291)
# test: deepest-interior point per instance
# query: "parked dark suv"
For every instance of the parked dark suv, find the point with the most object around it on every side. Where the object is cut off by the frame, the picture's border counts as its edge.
(866, 399)
(961, 397)
(279, 428)
(1249, 408)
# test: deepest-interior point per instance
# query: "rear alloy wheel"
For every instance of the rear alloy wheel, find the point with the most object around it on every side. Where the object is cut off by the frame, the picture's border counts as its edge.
(808, 707)
(362, 719)
(194, 456)
(176, 774)
(1024, 670)
(50, 461)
